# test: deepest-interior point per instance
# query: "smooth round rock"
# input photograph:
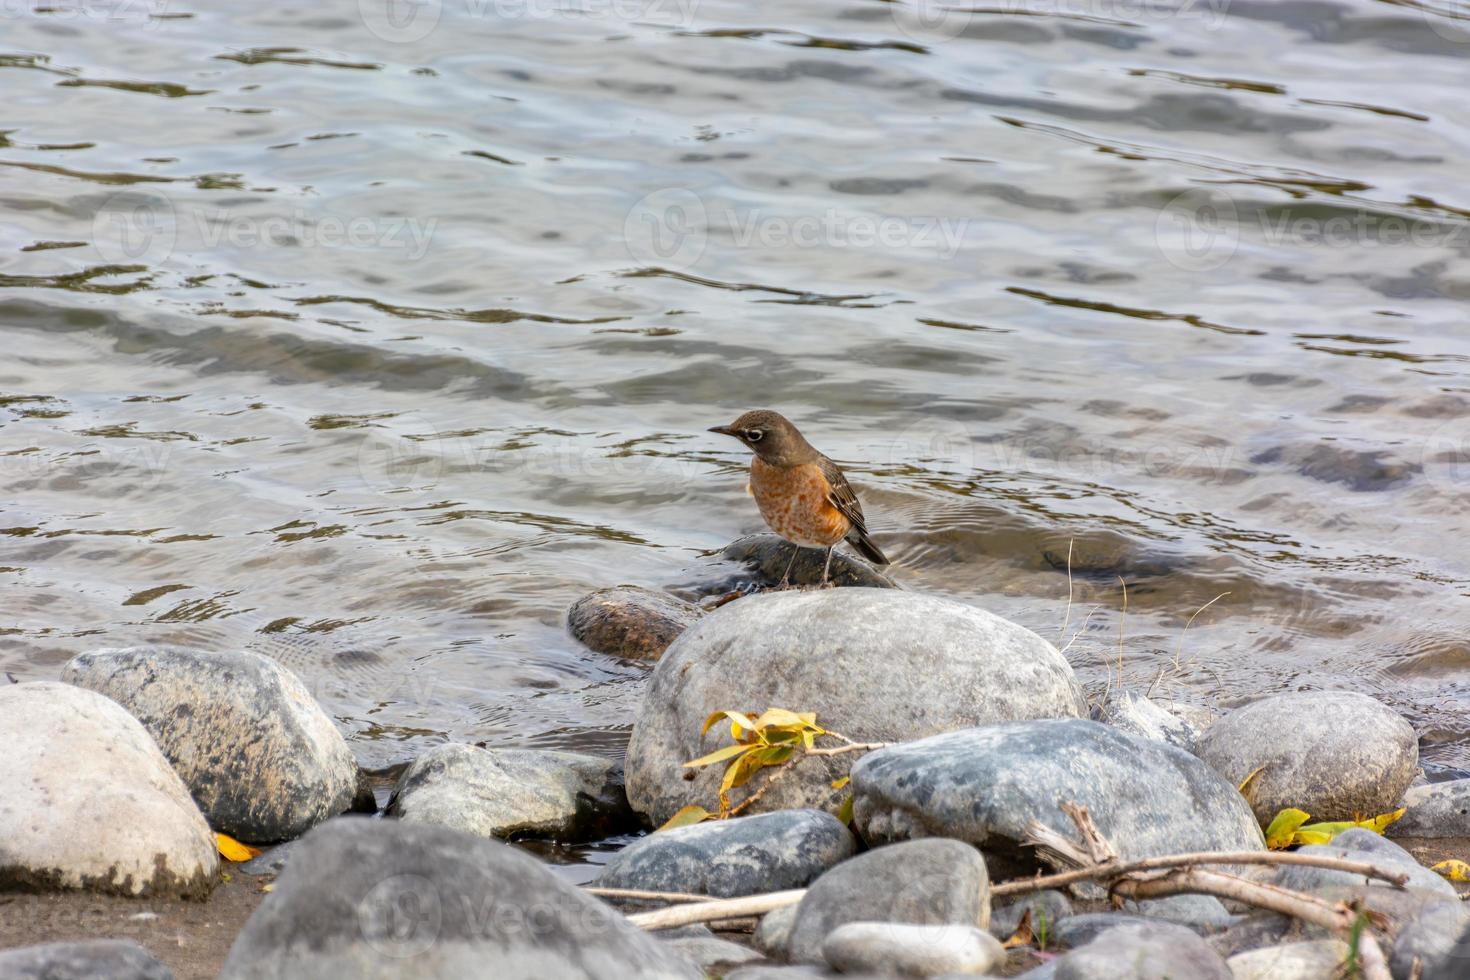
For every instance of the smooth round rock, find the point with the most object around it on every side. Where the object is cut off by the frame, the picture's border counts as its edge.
(93, 959)
(1435, 810)
(873, 664)
(1334, 754)
(1143, 951)
(1360, 844)
(1319, 959)
(88, 801)
(926, 882)
(264, 761)
(986, 785)
(389, 900)
(712, 954)
(630, 621)
(774, 931)
(514, 793)
(727, 858)
(905, 950)
(1436, 938)
(1046, 909)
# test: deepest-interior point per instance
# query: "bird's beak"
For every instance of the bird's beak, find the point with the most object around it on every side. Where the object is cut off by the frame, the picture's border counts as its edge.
(723, 430)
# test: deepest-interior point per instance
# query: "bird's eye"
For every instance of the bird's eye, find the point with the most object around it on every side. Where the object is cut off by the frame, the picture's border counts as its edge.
(754, 435)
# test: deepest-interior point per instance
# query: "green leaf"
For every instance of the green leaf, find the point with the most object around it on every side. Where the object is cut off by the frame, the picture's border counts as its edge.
(1284, 826)
(844, 812)
(687, 817)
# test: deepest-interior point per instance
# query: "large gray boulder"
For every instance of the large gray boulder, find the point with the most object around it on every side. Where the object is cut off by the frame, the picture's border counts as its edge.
(1144, 951)
(630, 621)
(88, 801)
(1334, 754)
(93, 959)
(263, 760)
(927, 882)
(725, 858)
(388, 900)
(514, 793)
(985, 786)
(873, 664)
(1435, 810)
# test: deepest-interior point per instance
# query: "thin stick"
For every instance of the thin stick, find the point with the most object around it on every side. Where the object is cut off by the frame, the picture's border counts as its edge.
(1042, 882)
(1179, 650)
(638, 895)
(1122, 621)
(725, 908)
(1081, 629)
(1067, 618)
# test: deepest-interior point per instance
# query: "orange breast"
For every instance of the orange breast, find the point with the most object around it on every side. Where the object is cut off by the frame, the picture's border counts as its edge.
(793, 500)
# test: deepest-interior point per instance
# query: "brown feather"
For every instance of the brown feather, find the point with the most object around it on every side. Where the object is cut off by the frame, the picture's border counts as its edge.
(841, 496)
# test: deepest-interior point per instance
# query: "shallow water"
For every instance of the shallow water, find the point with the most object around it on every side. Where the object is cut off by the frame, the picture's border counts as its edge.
(370, 338)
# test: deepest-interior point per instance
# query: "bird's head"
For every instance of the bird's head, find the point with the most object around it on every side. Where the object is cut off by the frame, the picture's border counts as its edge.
(771, 437)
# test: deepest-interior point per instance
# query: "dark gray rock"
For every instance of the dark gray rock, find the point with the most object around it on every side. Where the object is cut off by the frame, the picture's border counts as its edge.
(1201, 913)
(1436, 938)
(906, 950)
(1254, 931)
(1360, 844)
(985, 786)
(1143, 951)
(630, 621)
(756, 562)
(1435, 810)
(873, 664)
(712, 954)
(270, 862)
(1047, 908)
(385, 899)
(88, 801)
(926, 882)
(1363, 471)
(95, 959)
(1082, 928)
(1318, 959)
(264, 762)
(514, 793)
(725, 858)
(1137, 715)
(1347, 754)
(772, 935)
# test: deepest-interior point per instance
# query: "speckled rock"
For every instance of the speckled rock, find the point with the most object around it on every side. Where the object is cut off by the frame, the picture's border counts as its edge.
(388, 900)
(514, 793)
(1137, 715)
(726, 858)
(985, 785)
(88, 801)
(905, 950)
(630, 621)
(262, 759)
(1436, 938)
(1333, 754)
(926, 882)
(1143, 951)
(774, 931)
(756, 562)
(94, 959)
(1047, 908)
(1320, 959)
(874, 664)
(1360, 844)
(1435, 810)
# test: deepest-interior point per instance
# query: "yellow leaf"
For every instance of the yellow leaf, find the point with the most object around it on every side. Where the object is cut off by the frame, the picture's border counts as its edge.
(1331, 828)
(1248, 784)
(267, 888)
(1453, 869)
(844, 812)
(839, 783)
(737, 719)
(1381, 822)
(779, 717)
(719, 755)
(1312, 837)
(687, 817)
(232, 850)
(1284, 827)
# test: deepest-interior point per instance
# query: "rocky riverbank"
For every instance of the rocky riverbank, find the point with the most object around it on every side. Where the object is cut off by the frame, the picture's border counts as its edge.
(942, 745)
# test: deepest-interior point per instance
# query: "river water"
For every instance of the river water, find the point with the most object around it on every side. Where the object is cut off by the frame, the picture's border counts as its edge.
(370, 337)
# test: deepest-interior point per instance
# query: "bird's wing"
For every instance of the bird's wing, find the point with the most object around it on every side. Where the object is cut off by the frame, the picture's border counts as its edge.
(840, 495)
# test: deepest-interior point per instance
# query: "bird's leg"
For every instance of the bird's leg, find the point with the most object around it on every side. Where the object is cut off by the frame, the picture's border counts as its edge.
(786, 575)
(827, 567)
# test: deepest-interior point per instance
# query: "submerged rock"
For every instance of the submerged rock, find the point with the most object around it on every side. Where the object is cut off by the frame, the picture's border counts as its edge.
(898, 949)
(1334, 754)
(88, 801)
(727, 858)
(388, 900)
(985, 786)
(875, 665)
(927, 882)
(92, 959)
(1435, 810)
(630, 621)
(263, 760)
(514, 793)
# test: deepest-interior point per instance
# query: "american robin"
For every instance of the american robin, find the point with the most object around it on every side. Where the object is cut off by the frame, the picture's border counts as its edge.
(802, 494)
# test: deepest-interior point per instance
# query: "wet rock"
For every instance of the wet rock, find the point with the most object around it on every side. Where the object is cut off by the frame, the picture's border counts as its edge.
(1137, 715)
(264, 762)
(88, 801)
(873, 664)
(926, 882)
(1435, 938)
(1197, 716)
(985, 786)
(1143, 951)
(514, 793)
(1333, 754)
(727, 858)
(756, 562)
(1359, 470)
(896, 949)
(386, 899)
(1435, 810)
(712, 954)
(270, 862)
(772, 935)
(1320, 959)
(630, 621)
(1047, 908)
(95, 959)
(1361, 844)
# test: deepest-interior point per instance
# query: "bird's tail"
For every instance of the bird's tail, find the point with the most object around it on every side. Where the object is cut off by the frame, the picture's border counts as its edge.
(867, 548)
